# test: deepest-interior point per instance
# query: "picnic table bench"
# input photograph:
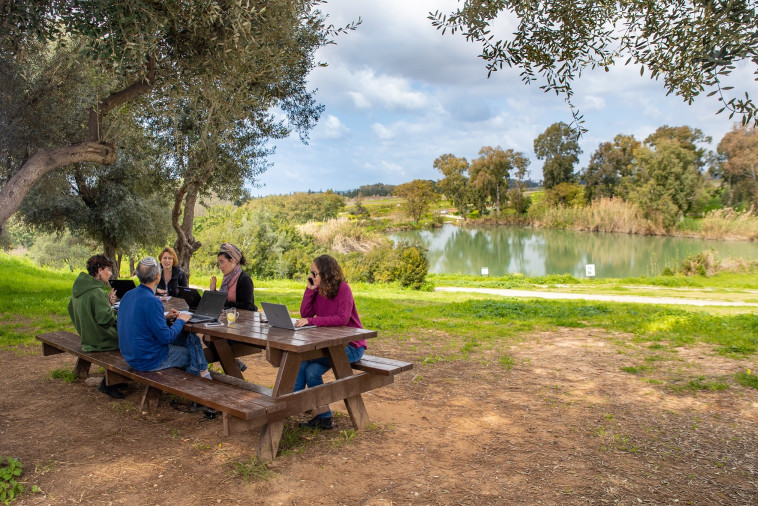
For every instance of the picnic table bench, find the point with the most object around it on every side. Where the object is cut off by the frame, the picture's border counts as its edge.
(253, 405)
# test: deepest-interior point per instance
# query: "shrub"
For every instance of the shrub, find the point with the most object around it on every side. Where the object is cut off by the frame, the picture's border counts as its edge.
(10, 471)
(404, 263)
(565, 194)
(702, 264)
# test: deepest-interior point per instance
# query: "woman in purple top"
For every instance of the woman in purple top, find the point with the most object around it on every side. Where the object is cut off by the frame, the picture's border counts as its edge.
(327, 302)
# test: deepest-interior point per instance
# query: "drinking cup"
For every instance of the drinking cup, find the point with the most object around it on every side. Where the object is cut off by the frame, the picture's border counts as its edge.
(231, 315)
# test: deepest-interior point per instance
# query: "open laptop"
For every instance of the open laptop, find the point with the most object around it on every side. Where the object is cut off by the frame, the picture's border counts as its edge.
(210, 307)
(122, 286)
(191, 296)
(278, 316)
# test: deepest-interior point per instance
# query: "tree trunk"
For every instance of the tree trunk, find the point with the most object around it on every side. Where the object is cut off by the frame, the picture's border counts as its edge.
(185, 244)
(131, 266)
(45, 161)
(109, 247)
(497, 194)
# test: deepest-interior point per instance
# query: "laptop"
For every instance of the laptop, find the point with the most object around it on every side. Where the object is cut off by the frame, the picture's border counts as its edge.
(122, 286)
(278, 316)
(191, 296)
(210, 307)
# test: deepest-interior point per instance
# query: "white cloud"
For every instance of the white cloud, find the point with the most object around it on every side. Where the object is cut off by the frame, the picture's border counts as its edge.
(382, 131)
(592, 102)
(359, 100)
(330, 127)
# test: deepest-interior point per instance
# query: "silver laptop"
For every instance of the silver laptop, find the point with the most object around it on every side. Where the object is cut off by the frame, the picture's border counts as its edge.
(210, 307)
(278, 316)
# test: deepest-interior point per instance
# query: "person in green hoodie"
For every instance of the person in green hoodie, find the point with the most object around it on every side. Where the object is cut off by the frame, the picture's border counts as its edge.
(91, 312)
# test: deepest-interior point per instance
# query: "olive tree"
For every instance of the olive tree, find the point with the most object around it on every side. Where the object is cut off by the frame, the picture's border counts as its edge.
(134, 51)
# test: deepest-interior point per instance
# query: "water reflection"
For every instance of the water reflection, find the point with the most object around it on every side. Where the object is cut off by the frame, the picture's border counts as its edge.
(536, 252)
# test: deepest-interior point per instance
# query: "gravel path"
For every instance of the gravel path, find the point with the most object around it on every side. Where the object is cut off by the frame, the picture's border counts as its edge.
(605, 298)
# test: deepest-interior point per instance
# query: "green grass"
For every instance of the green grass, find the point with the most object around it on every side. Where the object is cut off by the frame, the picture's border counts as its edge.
(454, 325)
(251, 470)
(34, 300)
(66, 374)
(747, 379)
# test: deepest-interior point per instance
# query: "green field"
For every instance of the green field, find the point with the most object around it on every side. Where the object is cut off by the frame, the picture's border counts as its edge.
(431, 325)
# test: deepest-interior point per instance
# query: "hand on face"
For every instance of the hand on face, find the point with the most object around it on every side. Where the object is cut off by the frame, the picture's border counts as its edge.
(314, 277)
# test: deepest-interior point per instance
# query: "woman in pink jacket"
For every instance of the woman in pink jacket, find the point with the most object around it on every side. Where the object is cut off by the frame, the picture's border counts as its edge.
(327, 302)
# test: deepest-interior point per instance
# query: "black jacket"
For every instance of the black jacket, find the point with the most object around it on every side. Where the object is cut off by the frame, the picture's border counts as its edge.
(245, 296)
(178, 278)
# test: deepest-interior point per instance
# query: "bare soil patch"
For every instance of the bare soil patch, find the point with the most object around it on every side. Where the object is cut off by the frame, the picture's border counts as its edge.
(563, 425)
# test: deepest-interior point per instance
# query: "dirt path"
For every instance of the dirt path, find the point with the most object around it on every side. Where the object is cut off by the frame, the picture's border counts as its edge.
(550, 420)
(600, 297)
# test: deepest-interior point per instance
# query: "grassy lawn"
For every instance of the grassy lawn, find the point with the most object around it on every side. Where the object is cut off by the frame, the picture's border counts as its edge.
(453, 324)
(726, 286)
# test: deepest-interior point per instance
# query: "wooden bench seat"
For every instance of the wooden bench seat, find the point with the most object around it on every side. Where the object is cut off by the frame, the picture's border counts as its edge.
(380, 365)
(245, 401)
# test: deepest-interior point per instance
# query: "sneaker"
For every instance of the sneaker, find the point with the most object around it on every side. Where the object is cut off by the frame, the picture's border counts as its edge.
(110, 391)
(318, 423)
(241, 365)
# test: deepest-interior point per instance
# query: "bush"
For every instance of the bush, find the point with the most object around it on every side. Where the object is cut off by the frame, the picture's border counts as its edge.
(404, 263)
(702, 264)
(62, 250)
(518, 201)
(565, 194)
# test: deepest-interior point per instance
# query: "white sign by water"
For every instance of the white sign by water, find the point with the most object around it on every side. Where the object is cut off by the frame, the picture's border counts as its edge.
(590, 270)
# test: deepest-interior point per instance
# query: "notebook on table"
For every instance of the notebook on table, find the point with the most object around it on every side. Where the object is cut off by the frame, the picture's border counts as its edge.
(278, 316)
(122, 286)
(191, 296)
(209, 308)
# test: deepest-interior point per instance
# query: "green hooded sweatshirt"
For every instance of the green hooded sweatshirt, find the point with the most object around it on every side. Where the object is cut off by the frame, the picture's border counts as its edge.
(91, 314)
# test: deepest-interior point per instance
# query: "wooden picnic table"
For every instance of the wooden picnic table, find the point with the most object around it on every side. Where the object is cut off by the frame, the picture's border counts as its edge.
(286, 350)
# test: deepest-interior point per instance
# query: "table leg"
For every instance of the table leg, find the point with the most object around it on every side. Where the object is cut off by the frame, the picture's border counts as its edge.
(354, 404)
(226, 357)
(150, 399)
(81, 369)
(271, 433)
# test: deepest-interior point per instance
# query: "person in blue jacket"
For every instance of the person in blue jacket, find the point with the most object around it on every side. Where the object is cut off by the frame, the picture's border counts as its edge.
(146, 340)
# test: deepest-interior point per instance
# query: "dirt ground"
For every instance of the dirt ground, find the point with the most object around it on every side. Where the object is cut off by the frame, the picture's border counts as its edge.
(563, 425)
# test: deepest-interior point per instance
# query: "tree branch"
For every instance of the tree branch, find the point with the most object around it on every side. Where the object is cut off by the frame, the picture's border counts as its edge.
(97, 113)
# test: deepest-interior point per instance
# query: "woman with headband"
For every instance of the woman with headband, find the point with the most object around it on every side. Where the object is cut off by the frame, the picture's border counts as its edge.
(236, 283)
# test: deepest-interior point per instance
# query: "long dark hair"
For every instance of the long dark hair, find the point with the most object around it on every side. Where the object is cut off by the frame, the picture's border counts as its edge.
(331, 275)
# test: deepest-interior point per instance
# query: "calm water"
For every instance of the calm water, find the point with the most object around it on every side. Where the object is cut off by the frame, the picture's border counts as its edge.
(536, 252)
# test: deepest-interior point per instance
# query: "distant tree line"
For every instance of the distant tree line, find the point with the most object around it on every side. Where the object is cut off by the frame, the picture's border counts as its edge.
(369, 190)
(668, 175)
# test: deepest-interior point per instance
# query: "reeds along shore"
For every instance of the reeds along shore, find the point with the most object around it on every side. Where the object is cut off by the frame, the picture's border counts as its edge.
(619, 216)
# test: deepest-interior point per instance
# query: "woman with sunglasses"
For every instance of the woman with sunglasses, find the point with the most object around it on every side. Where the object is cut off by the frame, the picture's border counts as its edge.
(236, 283)
(327, 302)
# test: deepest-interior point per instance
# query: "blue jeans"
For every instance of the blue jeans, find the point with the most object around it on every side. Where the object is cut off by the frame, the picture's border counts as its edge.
(186, 352)
(311, 371)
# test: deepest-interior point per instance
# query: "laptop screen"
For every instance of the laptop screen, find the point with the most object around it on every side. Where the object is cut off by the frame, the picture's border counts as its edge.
(122, 286)
(211, 304)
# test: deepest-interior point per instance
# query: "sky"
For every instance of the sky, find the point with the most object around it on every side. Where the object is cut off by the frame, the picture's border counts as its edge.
(398, 94)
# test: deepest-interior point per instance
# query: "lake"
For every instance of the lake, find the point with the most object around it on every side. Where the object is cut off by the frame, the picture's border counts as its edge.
(534, 252)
